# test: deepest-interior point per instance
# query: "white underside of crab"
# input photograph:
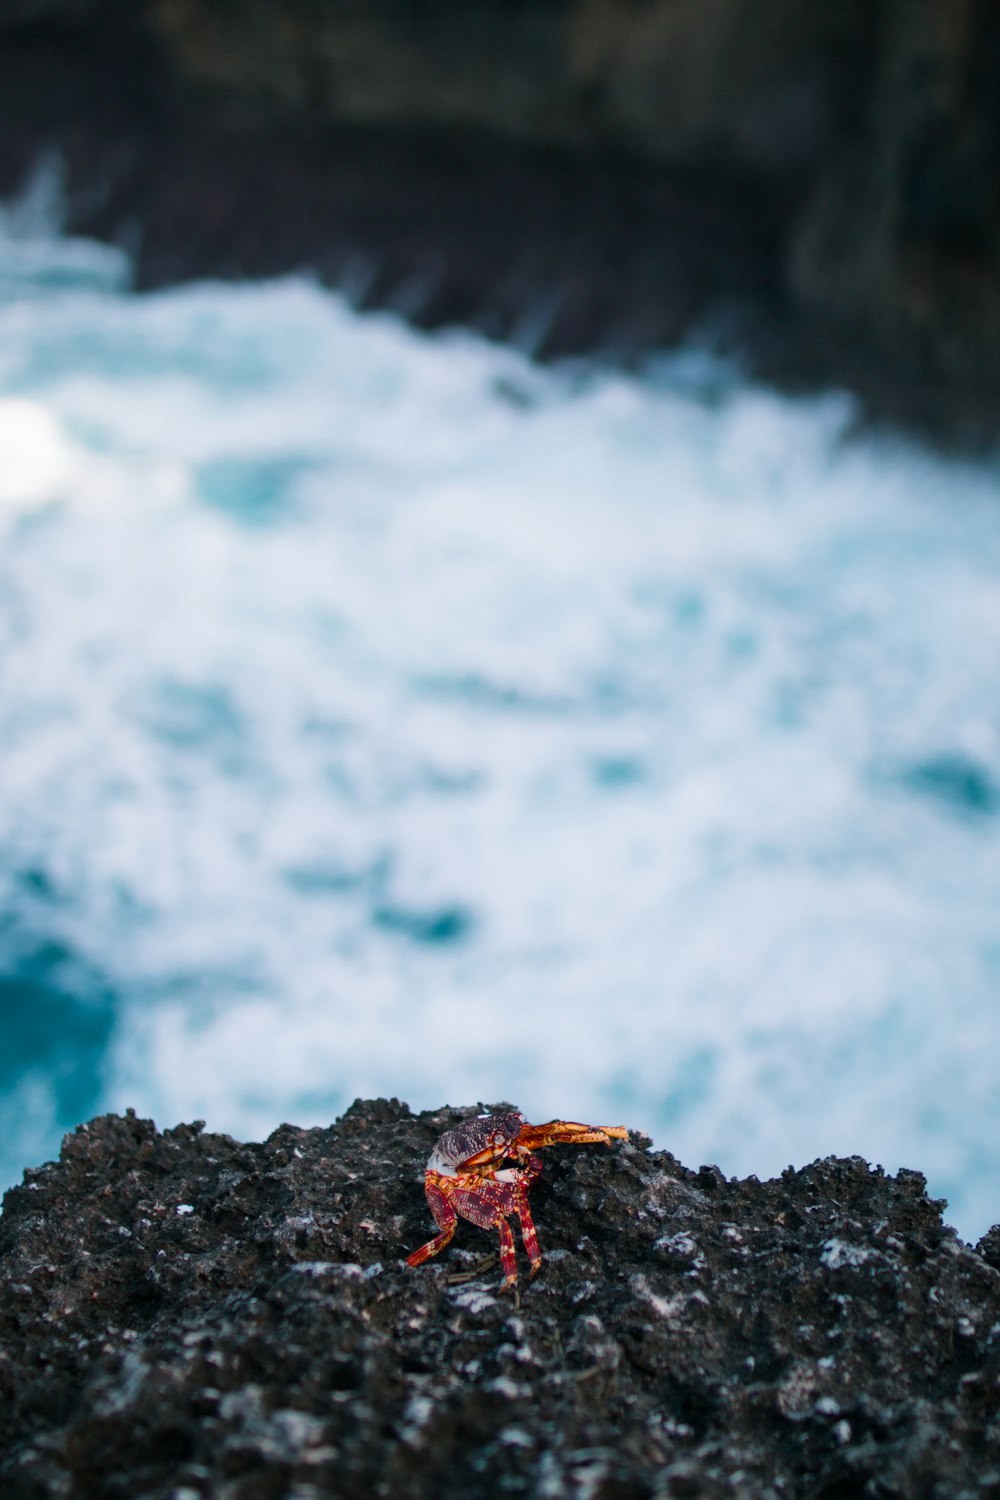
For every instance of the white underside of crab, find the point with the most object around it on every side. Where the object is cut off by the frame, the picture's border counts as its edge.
(437, 1163)
(445, 1168)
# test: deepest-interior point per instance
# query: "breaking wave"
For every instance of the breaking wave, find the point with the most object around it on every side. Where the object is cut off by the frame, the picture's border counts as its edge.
(382, 714)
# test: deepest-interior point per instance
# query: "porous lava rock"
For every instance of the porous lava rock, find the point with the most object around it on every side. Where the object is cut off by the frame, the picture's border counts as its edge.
(184, 1315)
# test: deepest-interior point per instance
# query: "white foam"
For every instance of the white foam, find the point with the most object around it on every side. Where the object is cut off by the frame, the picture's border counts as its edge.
(314, 645)
(35, 462)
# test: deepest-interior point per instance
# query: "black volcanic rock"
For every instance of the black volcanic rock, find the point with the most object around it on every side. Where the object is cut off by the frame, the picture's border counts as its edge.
(183, 1315)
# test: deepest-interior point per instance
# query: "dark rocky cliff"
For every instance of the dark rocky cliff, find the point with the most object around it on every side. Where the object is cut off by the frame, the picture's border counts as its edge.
(820, 182)
(182, 1315)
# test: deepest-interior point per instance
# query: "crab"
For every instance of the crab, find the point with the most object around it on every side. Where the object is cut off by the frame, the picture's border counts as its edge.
(482, 1170)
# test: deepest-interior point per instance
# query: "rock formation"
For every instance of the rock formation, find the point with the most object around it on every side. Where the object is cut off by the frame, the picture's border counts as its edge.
(817, 184)
(184, 1315)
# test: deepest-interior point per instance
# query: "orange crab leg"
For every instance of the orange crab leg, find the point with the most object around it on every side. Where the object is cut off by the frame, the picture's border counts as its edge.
(555, 1133)
(445, 1218)
(567, 1132)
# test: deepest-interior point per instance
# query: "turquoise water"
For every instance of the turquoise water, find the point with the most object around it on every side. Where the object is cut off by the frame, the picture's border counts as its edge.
(380, 714)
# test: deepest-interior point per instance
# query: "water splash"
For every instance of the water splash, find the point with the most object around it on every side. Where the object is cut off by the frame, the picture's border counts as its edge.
(383, 715)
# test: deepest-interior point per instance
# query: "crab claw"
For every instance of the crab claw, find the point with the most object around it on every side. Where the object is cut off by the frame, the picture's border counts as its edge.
(567, 1132)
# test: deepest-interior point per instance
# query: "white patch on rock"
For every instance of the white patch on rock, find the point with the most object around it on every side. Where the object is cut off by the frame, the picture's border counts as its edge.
(418, 1413)
(509, 1389)
(516, 1437)
(838, 1253)
(670, 1308)
(473, 1299)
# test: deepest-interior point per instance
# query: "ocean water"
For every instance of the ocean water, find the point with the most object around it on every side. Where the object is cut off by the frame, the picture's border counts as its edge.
(382, 714)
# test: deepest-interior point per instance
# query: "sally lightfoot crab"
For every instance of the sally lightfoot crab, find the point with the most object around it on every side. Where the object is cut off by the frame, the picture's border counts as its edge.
(482, 1170)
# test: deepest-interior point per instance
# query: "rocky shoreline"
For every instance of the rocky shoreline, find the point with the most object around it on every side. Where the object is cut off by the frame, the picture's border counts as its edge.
(813, 188)
(184, 1315)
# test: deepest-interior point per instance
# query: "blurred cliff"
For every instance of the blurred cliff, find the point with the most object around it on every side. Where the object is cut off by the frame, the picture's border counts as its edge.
(818, 185)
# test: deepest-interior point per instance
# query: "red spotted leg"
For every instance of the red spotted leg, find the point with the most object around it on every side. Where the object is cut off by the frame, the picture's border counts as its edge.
(444, 1217)
(508, 1260)
(488, 1204)
(529, 1236)
(531, 1167)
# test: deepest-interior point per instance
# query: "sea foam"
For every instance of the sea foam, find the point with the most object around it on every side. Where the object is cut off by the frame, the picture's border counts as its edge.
(381, 714)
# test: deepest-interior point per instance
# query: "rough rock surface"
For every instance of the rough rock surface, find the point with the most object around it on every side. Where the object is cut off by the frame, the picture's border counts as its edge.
(819, 182)
(183, 1315)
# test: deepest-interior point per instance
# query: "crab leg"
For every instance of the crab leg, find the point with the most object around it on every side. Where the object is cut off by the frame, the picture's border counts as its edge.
(488, 1205)
(445, 1218)
(529, 1236)
(567, 1132)
(508, 1260)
